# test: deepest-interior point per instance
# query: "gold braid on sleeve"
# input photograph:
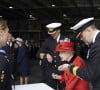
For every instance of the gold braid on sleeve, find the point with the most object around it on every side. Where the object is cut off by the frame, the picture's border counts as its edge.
(75, 68)
(42, 55)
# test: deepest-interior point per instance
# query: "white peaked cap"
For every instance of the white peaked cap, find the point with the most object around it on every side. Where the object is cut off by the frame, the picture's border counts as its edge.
(53, 25)
(82, 23)
(19, 39)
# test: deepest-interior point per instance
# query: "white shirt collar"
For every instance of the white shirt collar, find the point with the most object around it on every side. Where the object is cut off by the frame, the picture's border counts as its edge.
(95, 36)
(58, 38)
(9, 43)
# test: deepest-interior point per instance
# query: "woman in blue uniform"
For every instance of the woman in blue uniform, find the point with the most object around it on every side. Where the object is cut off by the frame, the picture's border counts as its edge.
(22, 61)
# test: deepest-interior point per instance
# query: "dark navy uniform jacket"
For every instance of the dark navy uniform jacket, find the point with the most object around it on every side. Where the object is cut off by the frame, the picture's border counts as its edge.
(92, 71)
(10, 55)
(49, 46)
(5, 76)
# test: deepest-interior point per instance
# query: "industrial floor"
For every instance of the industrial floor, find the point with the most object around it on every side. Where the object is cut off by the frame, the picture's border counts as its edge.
(35, 75)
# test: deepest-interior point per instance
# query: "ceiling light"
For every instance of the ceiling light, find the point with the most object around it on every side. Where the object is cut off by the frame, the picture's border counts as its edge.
(33, 18)
(10, 7)
(99, 8)
(64, 15)
(53, 5)
(30, 16)
(0, 16)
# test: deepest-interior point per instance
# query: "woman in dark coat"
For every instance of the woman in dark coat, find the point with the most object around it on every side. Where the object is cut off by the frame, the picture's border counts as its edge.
(5, 75)
(22, 61)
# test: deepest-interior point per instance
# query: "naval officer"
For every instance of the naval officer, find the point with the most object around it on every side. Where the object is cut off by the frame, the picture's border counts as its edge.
(49, 59)
(90, 35)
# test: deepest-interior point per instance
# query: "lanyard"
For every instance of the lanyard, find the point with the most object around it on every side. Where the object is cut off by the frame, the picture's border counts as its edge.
(2, 51)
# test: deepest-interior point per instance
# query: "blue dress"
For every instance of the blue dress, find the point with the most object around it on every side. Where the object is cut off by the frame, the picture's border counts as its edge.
(22, 61)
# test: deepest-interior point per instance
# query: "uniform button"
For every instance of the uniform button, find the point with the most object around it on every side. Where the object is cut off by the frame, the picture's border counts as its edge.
(54, 56)
(2, 76)
(3, 71)
(55, 66)
(55, 61)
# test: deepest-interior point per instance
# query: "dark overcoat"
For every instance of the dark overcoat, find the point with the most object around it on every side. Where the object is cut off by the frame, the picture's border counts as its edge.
(22, 61)
(49, 46)
(5, 73)
(92, 71)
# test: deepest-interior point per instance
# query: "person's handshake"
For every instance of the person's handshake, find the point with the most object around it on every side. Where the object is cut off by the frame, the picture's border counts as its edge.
(63, 67)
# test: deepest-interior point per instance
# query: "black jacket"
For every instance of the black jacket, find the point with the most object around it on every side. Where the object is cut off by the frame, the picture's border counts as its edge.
(49, 46)
(5, 76)
(92, 71)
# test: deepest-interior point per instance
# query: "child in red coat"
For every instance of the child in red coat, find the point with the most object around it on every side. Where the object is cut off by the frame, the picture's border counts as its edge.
(67, 54)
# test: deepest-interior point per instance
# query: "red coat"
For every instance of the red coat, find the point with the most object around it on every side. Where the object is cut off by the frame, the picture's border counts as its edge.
(73, 82)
